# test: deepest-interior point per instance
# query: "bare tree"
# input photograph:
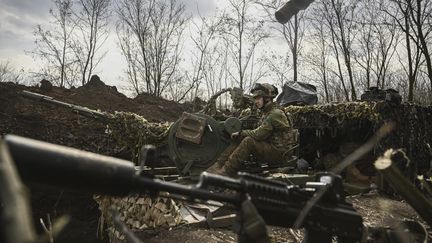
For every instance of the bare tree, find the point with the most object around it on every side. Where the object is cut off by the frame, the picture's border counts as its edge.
(422, 90)
(92, 18)
(9, 73)
(321, 15)
(292, 32)
(243, 33)
(69, 47)
(204, 38)
(216, 68)
(339, 16)
(318, 56)
(411, 22)
(156, 28)
(366, 39)
(134, 75)
(279, 66)
(53, 46)
(178, 89)
(411, 61)
(387, 38)
(377, 43)
(421, 18)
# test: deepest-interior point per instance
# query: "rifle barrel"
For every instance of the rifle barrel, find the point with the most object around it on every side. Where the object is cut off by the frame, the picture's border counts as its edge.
(75, 169)
(84, 111)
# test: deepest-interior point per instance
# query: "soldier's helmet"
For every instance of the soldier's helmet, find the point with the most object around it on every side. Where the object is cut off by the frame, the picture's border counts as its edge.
(264, 90)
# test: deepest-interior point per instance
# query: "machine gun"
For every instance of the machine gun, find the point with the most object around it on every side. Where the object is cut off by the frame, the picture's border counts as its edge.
(277, 203)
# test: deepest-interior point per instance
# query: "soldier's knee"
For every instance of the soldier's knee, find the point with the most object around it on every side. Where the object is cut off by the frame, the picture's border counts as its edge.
(247, 141)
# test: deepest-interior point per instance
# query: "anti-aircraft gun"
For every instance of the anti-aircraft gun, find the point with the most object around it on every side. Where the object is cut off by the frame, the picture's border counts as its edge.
(192, 143)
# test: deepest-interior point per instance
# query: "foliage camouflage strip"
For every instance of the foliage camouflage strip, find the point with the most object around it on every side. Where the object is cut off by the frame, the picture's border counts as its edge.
(134, 131)
(414, 132)
(362, 119)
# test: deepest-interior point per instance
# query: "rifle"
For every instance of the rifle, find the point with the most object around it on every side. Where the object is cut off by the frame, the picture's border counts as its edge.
(84, 111)
(279, 204)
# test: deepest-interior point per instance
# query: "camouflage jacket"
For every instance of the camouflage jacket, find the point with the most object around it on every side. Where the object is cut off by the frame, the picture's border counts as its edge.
(275, 127)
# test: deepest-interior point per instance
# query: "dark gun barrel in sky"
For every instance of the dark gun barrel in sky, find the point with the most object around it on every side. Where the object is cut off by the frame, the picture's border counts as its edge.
(290, 9)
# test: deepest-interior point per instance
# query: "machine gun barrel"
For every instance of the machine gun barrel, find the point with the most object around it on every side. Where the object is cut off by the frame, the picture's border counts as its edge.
(278, 203)
(71, 168)
(84, 111)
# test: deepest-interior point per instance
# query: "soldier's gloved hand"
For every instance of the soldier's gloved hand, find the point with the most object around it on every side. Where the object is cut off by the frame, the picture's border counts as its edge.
(235, 135)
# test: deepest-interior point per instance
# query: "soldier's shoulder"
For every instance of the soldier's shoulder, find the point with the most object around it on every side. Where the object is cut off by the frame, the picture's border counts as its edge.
(276, 115)
(277, 112)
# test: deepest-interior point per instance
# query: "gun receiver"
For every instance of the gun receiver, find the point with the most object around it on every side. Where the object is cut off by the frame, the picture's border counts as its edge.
(84, 111)
(279, 204)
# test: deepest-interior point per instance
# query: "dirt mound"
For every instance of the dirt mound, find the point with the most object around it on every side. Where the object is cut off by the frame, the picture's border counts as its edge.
(59, 125)
(158, 106)
(25, 117)
(96, 95)
(96, 82)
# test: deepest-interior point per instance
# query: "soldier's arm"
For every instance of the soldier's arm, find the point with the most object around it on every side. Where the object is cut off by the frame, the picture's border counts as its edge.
(262, 132)
(280, 119)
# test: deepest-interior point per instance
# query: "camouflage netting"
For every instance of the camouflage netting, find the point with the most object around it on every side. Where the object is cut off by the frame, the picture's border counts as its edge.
(138, 213)
(134, 131)
(321, 116)
(327, 127)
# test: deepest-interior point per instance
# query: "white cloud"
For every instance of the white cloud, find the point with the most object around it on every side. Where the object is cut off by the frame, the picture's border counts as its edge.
(18, 19)
(27, 7)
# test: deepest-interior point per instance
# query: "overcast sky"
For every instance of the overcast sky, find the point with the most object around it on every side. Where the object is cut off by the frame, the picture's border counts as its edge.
(18, 19)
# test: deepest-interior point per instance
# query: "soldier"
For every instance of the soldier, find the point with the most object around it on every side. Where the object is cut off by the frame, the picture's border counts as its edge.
(270, 141)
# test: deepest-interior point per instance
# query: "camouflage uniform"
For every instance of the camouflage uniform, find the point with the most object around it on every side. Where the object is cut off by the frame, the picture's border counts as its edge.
(269, 142)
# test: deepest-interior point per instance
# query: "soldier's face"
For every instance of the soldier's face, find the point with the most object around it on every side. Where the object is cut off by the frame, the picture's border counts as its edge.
(259, 102)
